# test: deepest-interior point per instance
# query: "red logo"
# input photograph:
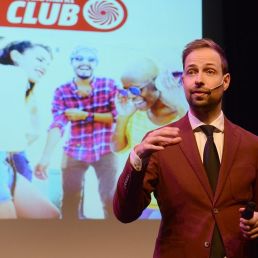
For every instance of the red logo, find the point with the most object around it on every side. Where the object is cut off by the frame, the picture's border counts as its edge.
(91, 15)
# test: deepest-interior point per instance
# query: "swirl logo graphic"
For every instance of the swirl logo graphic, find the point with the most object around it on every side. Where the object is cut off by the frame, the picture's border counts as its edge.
(104, 15)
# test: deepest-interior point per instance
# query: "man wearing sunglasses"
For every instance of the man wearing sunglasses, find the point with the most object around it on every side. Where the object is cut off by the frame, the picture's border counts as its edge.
(148, 100)
(86, 104)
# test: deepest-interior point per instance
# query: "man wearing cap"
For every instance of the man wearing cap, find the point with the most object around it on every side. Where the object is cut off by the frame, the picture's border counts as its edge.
(148, 100)
(87, 104)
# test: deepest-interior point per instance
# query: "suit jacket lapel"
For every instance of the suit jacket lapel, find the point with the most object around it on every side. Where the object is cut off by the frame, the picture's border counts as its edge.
(192, 154)
(231, 142)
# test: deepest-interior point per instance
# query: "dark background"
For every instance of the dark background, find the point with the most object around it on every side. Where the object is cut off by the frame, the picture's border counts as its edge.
(234, 25)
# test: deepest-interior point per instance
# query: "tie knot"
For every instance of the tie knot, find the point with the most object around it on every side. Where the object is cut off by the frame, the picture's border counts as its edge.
(208, 130)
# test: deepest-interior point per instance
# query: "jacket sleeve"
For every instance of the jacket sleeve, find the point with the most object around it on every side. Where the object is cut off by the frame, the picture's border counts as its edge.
(134, 188)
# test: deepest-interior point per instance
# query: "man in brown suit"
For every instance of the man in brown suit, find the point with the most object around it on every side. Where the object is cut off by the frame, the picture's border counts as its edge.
(201, 213)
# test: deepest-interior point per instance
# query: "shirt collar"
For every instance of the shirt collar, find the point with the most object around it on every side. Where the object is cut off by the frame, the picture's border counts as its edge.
(218, 122)
(74, 85)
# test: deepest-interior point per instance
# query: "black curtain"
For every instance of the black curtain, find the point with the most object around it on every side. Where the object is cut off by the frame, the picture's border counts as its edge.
(233, 24)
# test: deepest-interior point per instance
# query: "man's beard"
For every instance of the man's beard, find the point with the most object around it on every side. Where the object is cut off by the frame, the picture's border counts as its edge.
(204, 106)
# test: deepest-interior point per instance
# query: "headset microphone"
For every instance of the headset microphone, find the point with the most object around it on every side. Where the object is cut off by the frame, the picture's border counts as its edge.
(210, 90)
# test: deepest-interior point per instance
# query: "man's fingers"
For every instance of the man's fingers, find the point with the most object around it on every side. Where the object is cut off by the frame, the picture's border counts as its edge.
(159, 143)
(41, 175)
(166, 131)
(162, 140)
(40, 172)
(153, 147)
(158, 139)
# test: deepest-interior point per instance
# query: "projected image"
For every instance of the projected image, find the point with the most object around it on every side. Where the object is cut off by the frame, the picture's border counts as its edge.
(79, 90)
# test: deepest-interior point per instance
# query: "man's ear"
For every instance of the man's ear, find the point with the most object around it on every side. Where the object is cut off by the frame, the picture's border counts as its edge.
(182, 77)
(15, 56)
(226, 81)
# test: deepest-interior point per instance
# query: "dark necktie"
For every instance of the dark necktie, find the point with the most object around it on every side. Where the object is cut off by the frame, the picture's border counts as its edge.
(211, 160)
(211, 163)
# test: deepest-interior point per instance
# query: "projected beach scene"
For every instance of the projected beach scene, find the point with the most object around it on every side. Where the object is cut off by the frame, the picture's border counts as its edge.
(82, 82)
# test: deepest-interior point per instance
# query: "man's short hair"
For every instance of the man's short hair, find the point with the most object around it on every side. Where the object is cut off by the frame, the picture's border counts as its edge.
(78, 49)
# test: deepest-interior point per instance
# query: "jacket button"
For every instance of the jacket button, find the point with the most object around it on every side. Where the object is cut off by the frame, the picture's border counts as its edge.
(206, 244)
(215, 211)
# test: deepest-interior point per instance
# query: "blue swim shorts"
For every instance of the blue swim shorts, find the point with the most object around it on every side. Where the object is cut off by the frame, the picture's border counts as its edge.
(6, 177)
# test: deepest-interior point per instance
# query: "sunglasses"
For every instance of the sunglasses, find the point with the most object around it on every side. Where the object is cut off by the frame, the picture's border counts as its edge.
(81, 58)
(178, 76)
(136, 90)
(133, 90)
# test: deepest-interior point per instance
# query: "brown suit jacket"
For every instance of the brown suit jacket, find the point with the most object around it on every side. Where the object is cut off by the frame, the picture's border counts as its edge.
(188, 206)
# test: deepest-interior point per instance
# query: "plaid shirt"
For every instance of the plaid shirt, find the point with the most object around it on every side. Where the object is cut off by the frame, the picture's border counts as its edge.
(88, 141)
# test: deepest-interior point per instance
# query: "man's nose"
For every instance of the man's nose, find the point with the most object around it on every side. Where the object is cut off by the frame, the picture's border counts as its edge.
(199, 79)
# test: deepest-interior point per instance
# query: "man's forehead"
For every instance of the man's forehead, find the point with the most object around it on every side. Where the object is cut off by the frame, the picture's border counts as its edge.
(203, 56)
(84, 51)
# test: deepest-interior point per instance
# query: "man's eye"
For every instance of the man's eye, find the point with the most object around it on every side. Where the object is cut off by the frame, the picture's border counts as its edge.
(210, 71)
(190, 72)
(91, 60)
(78, 58)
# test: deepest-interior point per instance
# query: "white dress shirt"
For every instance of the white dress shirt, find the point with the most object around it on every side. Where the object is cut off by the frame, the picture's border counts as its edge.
(200, 137)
